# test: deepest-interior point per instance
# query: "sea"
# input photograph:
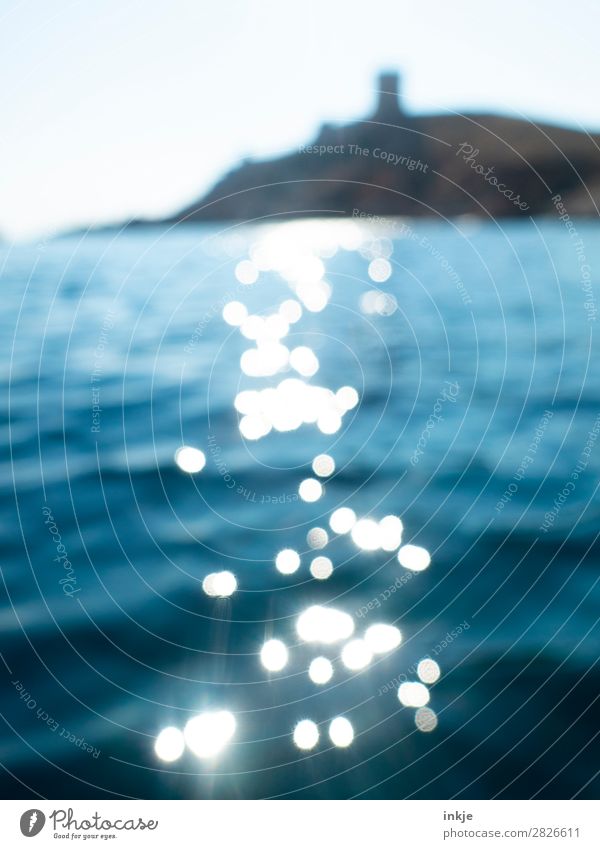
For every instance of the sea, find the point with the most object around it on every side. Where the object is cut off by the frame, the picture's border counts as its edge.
(180, 402)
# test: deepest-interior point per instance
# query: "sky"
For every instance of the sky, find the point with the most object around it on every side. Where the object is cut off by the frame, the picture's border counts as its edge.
(119, 108)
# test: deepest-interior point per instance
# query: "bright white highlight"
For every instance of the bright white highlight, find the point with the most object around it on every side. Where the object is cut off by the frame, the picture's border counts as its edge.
(323, 465)
(380, 270)
(320, 624)
(247, 401)
(310, 490)
(346, 398)
(414, 557)
(287, 561)
(274, 655)
(304, 361)
(291, 311)
(321, 568)
(341, 732)
(306, 735)
(235, 313)
(288, 405)
(190, 459)
(365, 534)
(329, 422)
(320, 670)
(371, 535)
(169, 744)
(382, 638)
(265, 360)
(254, 427)
(428, 671)
(413, 694)
(208, 733)
(356, 654)
(276, 327)
(315, 296)
(342, 520)
(390, 533)
(246, 272)
(220, 584)
(253, 327)
(308, 268)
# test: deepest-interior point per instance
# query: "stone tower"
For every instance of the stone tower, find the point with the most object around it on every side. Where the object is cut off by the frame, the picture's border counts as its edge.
(388, 109)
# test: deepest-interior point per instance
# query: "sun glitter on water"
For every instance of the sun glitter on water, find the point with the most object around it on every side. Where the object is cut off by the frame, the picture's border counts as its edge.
(296, 396)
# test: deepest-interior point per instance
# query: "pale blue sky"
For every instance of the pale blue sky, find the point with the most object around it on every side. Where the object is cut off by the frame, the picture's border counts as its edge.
(114, 108)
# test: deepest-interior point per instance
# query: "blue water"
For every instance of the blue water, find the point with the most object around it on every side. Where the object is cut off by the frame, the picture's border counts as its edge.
(131, 324)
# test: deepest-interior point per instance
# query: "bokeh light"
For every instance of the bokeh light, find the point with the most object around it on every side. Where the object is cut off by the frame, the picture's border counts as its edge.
(365, 534)
(315, 296)
(274, 655)
(306, 734)
(190, 459)
(253, 327)
(320, 670)
(235, 313)
(323, 465)
(208, 733)
(317, 538)
(287, 561)
(275, 327)
(385, 304)
(265, 360)
(291, 311)
(390, 533)
(310, 490)
(169, 744)
(379, 270)
(368, 301)
(426, 719)
(321, 568)
(246, 272)
(220, 584)
(356, 654)
(342, 520)
(347, 398)
(341, 732)
(381, 638)
(320, 624)
(286, 406)
(428, 671)
(329, 422)
(413, 694)
(414, 557)
(304, 361)
(254, 427)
